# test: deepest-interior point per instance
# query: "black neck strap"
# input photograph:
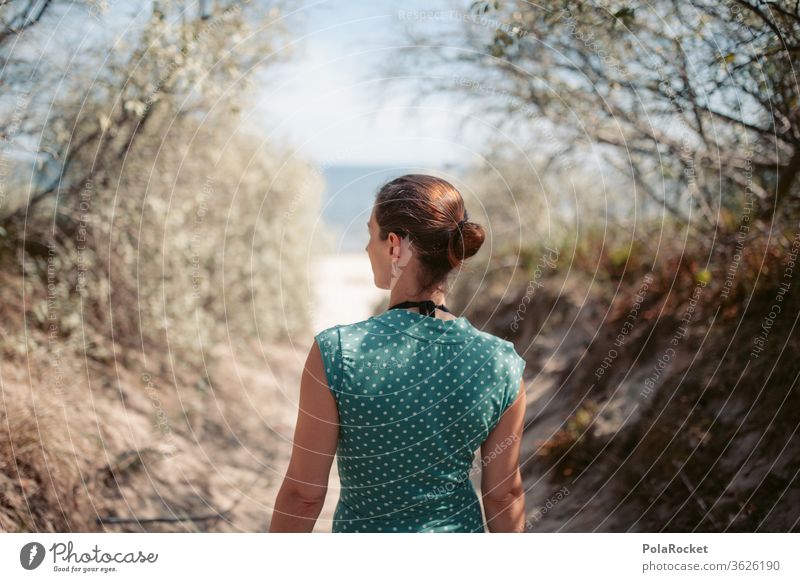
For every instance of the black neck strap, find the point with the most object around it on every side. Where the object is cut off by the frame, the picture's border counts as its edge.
(426, 307)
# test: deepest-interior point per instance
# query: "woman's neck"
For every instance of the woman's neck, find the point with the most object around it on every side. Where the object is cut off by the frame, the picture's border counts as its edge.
(438, 297)
(400, 297)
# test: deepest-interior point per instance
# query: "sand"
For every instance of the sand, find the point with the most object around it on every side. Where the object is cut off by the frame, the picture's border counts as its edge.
(344, 290)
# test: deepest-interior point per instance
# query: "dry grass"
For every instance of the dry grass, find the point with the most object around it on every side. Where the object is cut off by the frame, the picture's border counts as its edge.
(100, 450)
(709, 450)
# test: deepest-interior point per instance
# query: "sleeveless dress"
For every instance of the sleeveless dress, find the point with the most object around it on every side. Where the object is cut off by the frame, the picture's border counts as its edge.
(417, 396)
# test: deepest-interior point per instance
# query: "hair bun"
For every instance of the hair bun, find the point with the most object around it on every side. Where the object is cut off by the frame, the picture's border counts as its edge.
(465, 240)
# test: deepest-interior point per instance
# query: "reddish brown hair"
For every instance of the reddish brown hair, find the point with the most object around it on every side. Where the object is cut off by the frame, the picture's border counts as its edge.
(429, 209)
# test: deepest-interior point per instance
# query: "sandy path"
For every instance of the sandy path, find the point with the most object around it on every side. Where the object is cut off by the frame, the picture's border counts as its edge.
(344, 293)
(348, 295)
(344, 290)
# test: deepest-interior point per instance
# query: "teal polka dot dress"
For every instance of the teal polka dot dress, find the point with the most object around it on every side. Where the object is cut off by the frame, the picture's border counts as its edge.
(417, 396)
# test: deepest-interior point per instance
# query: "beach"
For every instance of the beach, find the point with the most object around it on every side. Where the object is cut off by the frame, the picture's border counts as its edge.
(344, 290)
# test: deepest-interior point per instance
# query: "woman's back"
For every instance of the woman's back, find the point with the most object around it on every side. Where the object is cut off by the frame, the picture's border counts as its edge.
(417, 396)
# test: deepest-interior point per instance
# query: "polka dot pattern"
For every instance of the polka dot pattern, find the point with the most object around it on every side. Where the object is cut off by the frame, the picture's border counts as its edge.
(417, 396)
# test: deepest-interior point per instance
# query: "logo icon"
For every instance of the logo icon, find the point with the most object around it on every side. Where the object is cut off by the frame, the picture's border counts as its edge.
(31, 555)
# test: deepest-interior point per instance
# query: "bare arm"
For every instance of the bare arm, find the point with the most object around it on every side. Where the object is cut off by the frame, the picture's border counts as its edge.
(302, 494)
(501, 483)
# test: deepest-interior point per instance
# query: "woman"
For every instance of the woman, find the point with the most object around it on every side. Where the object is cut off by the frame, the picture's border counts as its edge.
(406, 397)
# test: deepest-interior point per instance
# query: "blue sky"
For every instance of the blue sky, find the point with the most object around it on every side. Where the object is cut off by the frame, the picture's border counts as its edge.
(327, 99)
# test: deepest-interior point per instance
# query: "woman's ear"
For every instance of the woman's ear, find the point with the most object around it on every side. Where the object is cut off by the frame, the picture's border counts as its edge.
(401, 255)
(394, 245)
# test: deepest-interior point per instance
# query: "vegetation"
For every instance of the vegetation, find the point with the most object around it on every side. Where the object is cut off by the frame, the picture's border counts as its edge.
(660, 157)
(140, 226)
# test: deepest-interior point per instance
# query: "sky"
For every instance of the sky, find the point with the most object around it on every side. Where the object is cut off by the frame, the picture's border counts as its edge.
(330, 99)
(327, 99)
